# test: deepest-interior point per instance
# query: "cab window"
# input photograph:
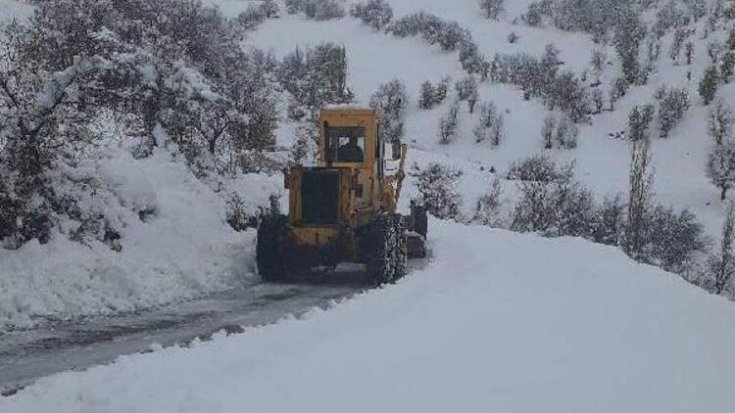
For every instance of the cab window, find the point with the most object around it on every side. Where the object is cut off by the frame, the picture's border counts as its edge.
(345, 144)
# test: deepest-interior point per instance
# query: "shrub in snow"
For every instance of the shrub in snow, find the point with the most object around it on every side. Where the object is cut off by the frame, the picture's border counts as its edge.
(610, 222)
(556, 207)
(569, 94)
(488, 209)
(721, 166)
(513, 37)
(720, 122)
(708, 85)
(639, 122)
(467, 91)
(431, 95)
(492, 8)
(391, 101)
(438, 186)
(598, 60)
(473, 62)
(727, 66)
(375, 13)
(673, 239)
(597, 99)
(721, 275)
(559, 133)
(490, 125)
(680, 36)
(538, 168)
(674, 105)
(534, 16)
(448, 35)
(448, 124)
(317, 9)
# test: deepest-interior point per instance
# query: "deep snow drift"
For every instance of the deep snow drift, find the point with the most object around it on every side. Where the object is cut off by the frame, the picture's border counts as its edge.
(495, 322)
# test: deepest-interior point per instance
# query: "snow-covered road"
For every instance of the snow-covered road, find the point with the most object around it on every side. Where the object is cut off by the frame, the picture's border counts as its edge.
(496, 322)
(79, 344)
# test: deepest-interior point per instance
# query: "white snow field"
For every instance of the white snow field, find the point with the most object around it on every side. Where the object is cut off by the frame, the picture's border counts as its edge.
(496, 322)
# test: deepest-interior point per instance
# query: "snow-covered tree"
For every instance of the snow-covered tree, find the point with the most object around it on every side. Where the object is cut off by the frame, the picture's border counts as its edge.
(375, 13)
(316, 77)
(391, 101)
(636, 228)
(490, 126)
(639, 122)
(674, 105)
(708, 85)
(721, 166)
(437, 185)
(467, 91)
(317, 9)
(489, 207)
(629, 33)
(448, 124)
(492, 8)
(720, 122)
(431, 95)
(559, 132)
(721, 275)
(727, 66)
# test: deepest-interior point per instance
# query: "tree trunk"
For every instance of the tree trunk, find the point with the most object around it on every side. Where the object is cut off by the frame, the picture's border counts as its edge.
(723, 193)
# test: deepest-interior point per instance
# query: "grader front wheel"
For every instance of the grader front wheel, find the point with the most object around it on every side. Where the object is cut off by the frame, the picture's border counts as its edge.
(385, 249)
(270, 255)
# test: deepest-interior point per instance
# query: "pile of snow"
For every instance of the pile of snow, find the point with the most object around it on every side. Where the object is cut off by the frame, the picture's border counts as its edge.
(183, 249)
(496, 322)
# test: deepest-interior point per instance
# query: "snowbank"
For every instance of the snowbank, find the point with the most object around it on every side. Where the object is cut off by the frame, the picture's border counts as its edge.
(496, 322)
(185, 248)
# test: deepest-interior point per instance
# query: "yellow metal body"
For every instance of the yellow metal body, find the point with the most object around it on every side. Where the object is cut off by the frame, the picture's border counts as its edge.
(364, 190)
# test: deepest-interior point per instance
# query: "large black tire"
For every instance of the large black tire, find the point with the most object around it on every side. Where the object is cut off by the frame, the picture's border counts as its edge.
(270, 255)
(419, 222)
(384, 248)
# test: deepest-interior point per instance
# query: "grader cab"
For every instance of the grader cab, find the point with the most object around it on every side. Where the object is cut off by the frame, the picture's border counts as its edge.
(344, 209)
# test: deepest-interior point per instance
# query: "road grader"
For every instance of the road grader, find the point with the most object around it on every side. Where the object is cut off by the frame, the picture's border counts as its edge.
(343, 210)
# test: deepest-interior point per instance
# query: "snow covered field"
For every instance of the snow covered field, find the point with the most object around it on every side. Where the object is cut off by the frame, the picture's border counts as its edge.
(497, 322)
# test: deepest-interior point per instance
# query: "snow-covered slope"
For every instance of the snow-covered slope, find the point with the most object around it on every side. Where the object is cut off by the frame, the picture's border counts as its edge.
(186, 249)
(495, 322)
(601, 161)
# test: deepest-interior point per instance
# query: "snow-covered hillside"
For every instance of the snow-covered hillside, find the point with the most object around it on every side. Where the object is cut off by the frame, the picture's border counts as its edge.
(496, 322)
(190, 250)
(601, 161)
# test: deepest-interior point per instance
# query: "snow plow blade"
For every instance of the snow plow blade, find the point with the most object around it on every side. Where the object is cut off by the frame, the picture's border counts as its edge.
(416, 245)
